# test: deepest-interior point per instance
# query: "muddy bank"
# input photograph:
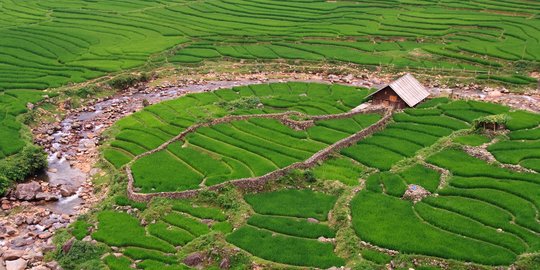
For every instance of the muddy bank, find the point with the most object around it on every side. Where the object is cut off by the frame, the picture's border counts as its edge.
(72, 143)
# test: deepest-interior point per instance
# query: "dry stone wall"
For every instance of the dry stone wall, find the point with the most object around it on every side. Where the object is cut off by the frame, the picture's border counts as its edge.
(259, 182)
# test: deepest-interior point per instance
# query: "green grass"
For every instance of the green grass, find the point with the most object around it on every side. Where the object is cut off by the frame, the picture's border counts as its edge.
(239, 149)
(79, 229)
(189, 224)
(391, 222)
(121, 229)
(472, 140)
(340, 169)
(292, 250)
(146, 254)
(199, 211)
(376, 256)
(422, 176)
(302, 203)
(460, 163)
(117, 263)
(174, 235)
(291, 226)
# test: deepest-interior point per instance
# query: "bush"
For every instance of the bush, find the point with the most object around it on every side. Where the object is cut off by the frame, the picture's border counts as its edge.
(79, 229)
(82, 256)
(28, 162)
(124, 81)
(156, 209)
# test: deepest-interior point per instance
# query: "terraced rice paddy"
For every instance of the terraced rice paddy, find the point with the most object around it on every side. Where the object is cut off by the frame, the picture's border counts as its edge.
(483, 207)
(416, 129)
(234, 150)
(155, 245)
(275, 227)
(12, 105)
(523, 148)
(475, 211)
(50, 43)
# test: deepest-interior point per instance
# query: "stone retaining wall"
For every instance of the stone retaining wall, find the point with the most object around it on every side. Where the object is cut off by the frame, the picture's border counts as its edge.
(259, 182)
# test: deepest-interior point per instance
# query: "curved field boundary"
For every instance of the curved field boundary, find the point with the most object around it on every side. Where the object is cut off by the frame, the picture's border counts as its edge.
(254, 183)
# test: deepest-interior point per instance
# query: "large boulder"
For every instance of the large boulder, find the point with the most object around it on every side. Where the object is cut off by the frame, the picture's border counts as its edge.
(19, 264)
(27, 191)
(194, 259)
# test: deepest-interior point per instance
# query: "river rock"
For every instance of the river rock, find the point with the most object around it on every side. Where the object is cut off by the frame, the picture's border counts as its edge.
(45, 196)
(44, 235)
(8, 231)
(67, 246)
(194, 259)
(67, 190)
(495, 93)
(12, 254)
(312, 220)
(27, 191)
(225, 263)
(18, 264)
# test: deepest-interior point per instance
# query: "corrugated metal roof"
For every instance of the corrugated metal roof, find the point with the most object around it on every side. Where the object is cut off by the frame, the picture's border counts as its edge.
(409, 89)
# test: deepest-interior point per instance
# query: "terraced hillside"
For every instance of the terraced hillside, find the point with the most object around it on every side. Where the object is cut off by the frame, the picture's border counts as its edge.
(153, 126)
(237, 150)
(154, 247)
(473, 212)
(47, 44)
(50, 43)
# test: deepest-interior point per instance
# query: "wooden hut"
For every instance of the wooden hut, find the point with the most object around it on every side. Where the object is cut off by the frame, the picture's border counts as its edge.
(404, 92)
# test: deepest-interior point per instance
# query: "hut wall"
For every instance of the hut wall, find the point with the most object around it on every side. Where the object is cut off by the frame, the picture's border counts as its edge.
(389, 97)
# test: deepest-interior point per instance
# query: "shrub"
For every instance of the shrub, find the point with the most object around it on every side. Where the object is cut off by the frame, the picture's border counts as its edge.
(82, 256)
(79, 229)
(29, 161)
(124, 81)
(156, 209)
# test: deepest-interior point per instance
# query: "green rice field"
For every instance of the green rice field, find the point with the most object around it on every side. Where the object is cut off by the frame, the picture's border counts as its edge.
(287, 229)
(235, 150)
(477, 191)
(50, 43)
(155, 245)
(477, 212)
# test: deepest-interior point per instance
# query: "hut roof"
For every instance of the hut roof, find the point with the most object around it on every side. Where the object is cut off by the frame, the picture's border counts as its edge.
(408, 88)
